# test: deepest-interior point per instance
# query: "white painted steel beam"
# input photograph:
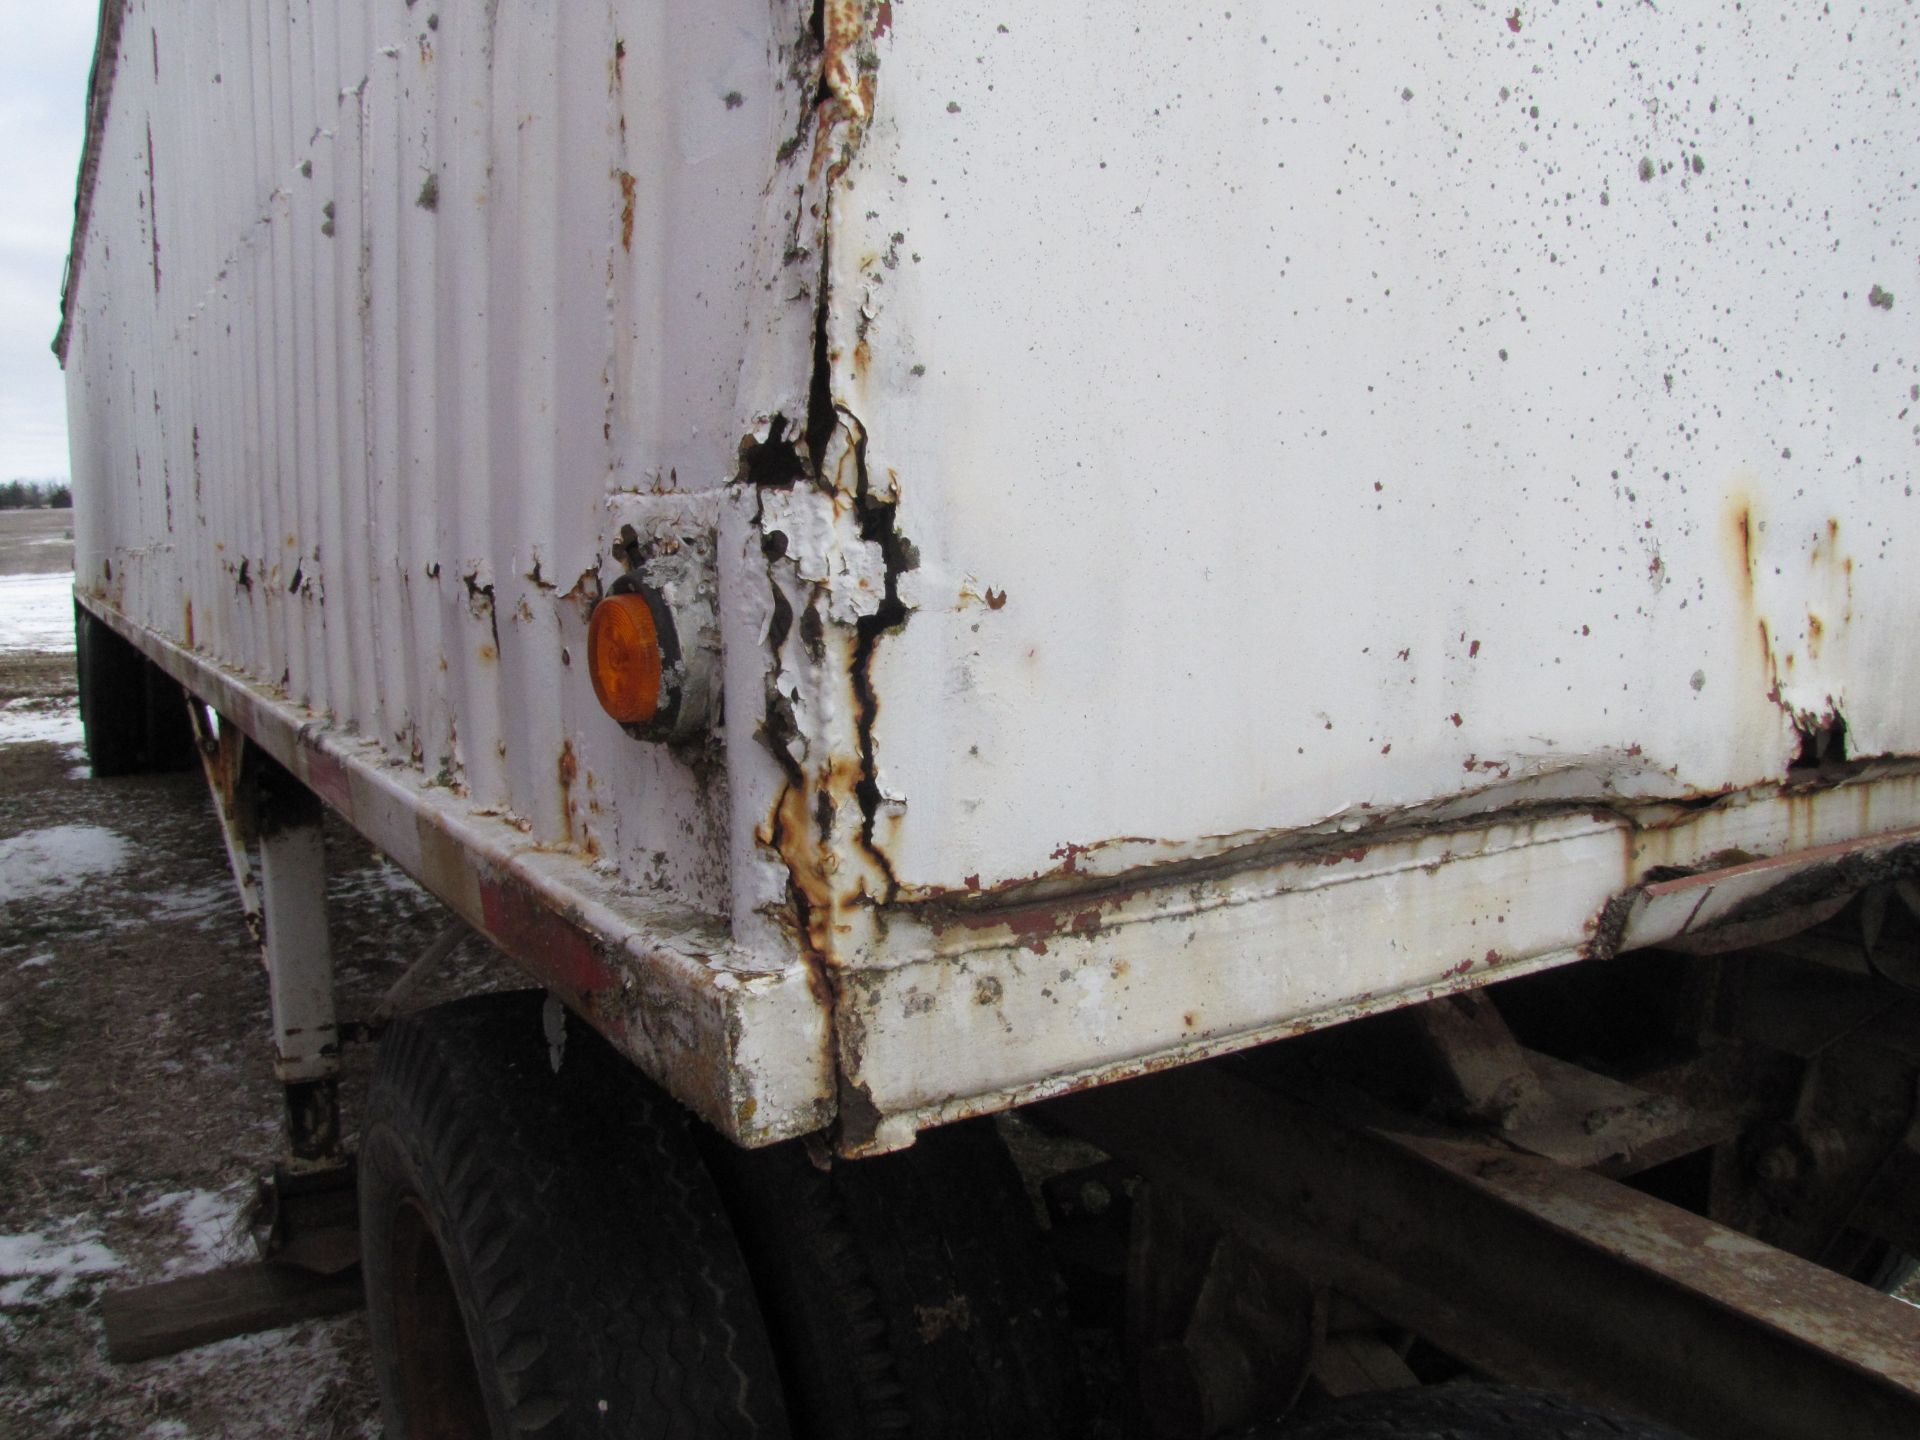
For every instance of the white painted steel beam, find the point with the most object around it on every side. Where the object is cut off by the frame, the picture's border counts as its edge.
(295, 941)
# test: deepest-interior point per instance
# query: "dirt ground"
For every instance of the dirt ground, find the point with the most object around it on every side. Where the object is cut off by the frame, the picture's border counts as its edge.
(137, 1101)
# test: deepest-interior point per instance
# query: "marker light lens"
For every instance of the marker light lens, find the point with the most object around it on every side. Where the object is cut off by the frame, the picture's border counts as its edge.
(623, 658)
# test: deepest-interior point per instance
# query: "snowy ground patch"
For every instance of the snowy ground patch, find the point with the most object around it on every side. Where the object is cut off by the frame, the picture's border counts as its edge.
(35, 1268)
(206, 906)
(380, 880)
(40, 722)
(209, 1222)
(291, 1379)
(36, 614)
(42, 864)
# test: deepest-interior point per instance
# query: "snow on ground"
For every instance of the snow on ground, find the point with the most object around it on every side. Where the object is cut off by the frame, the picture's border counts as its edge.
(212, 904)
(36, 613)
(290, 1376)
(34, 721)
(43, 864)
(209, 1222)
(381, 879)
(36, 1267)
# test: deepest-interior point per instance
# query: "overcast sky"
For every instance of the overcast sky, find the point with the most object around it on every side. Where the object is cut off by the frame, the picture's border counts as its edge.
(43, 102)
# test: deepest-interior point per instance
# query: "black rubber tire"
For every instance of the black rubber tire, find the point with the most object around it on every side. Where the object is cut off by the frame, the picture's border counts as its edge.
(907, 1294)
(170, 744)
(545, 1255)
(133, 713)
(112, 679)
(1462, 1412)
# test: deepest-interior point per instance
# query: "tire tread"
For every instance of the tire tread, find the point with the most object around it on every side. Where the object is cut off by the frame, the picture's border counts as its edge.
(592, 1258)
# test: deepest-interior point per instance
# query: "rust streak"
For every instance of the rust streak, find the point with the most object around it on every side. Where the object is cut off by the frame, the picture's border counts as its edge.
(628, 188)
(1743, 536)
(844, 28)
(569, 771)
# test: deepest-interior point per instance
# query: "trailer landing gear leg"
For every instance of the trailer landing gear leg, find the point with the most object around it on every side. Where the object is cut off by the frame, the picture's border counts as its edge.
(286, 908)
(305, 1216)
(299, 960)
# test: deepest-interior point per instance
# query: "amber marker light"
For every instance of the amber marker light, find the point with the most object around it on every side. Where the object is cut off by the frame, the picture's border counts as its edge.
(623, 658)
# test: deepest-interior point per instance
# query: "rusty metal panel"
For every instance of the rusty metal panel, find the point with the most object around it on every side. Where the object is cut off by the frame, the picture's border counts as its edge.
(739, 1037)
(1221, 522)
(373, 312)
(1304, 415)
(1308, 423)
(375, 307)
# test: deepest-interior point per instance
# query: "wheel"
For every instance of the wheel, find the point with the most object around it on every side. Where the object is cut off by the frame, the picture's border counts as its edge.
(907, 1294)
(133, 713)
(545, 1254)
(1462, 1412)
(113, 696)
(170, 744)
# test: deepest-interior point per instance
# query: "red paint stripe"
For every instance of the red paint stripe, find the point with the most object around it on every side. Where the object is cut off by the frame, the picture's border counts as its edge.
(555, 949)
(328, 778)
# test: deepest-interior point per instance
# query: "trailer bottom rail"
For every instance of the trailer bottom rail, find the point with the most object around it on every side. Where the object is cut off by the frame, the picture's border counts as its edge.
(1528, 1270)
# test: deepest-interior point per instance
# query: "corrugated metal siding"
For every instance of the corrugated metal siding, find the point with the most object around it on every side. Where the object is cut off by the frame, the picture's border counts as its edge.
(1284, 503)
(377, 305)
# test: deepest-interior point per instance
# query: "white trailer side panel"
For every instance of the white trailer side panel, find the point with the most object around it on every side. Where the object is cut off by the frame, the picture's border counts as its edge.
(375, 307)
(1224, 520)
(1301, 415)
(1367, 446)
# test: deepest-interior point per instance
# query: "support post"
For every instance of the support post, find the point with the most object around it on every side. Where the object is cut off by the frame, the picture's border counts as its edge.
(299, 960)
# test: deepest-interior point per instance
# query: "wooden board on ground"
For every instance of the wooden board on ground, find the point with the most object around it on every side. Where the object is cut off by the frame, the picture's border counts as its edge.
(173, 1315)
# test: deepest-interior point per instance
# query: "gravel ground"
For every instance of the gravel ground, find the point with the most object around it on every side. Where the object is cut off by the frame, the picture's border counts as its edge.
(137, 1101)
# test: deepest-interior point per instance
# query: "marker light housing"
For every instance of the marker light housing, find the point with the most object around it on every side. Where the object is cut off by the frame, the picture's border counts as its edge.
(624, 658)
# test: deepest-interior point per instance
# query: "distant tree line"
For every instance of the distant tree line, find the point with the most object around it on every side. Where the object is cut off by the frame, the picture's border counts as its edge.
(36, 495)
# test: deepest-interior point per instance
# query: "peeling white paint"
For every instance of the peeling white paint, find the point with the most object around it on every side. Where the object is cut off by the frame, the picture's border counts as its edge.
(1154, 460)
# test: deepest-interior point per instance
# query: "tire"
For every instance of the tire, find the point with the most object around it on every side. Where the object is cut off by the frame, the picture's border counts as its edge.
(1462, 1412)
(133, 713)
(545, 1255)
(907, 1294)
(113, 696)
(170, 744)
